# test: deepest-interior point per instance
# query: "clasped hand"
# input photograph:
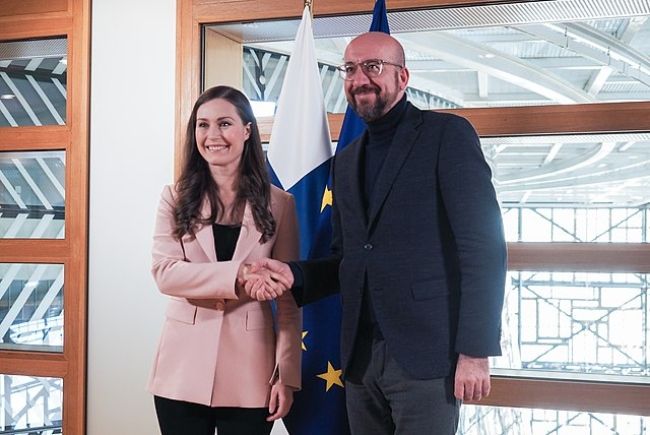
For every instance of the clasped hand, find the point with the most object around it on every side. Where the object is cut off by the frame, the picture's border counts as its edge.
(264, 279)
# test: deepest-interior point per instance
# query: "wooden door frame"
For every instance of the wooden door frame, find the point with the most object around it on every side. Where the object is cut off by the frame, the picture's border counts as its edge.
(34, 19)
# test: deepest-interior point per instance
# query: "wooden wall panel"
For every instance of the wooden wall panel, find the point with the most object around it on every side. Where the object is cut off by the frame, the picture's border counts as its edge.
(34, 28)
(33, 364)
(603, 397)
(584, 257)
(212, 11)
(13, 9)
(34, 138)
(228, 70)
(34, 251)
(561, 119)
(188, 74)
(533, 120)
(76, 267)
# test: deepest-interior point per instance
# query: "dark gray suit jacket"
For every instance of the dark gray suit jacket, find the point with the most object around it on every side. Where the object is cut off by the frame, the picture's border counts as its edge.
(431, 245)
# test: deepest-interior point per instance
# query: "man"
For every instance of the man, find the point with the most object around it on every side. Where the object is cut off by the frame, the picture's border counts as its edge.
(418, 254)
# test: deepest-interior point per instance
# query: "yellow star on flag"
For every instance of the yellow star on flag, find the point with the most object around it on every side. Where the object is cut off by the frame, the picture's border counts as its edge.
(327, 199)
(332, 377)
(304, 334)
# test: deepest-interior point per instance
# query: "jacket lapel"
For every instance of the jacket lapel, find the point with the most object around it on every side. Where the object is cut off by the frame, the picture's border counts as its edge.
(353, 180)
(205, 235)
(405, 138)
(249, 237)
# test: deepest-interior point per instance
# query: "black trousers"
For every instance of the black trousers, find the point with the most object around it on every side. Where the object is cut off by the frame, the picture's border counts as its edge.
(382, 399)
(176, 417)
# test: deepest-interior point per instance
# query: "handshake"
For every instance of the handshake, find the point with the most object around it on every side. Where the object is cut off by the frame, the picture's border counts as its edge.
(264, 279)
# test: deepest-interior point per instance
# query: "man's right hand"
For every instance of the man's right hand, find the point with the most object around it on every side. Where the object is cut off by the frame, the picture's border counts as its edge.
(266, 279)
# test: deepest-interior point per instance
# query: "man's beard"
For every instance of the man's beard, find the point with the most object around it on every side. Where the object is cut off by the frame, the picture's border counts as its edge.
(369, 111)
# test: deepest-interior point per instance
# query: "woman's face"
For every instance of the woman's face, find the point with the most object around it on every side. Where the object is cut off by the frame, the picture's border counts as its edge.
(220, 134)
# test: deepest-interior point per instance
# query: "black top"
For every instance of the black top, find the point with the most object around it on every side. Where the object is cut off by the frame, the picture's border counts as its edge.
(225, 240)
(380, 138)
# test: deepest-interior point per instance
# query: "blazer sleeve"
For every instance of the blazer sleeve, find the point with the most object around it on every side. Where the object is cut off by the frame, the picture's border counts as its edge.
(288, 355)
(174, 275)
(475, 219)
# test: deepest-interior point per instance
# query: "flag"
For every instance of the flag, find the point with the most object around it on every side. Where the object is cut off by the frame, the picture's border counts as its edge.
(299, 157)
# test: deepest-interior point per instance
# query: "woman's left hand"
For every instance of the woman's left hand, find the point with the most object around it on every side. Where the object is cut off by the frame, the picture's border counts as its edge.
(280, 402)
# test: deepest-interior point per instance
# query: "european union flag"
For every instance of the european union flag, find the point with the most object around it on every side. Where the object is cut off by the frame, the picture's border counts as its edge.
(300, 156)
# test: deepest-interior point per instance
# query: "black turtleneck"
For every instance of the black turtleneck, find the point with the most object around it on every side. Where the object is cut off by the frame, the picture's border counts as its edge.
(380, 137)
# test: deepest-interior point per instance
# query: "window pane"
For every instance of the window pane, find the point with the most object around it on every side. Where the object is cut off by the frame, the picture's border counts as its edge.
(592, 325)
(31, 403)
(529, 53)
(32, 195)
(33, 78)
(573, 188)
(31, 307)
(484, 420)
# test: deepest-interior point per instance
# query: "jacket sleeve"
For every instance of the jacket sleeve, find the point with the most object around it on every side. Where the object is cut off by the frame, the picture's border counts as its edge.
(174, 274)
(475, 219)
(288, 354)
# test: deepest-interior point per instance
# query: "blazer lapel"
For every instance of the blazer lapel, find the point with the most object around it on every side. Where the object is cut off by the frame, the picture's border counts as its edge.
(205, 235)
(249, 236)
(353, 179)
(403, 142)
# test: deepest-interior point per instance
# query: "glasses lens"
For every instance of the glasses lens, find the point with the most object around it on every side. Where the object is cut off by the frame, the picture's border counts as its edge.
(372, 68)
(347, 70)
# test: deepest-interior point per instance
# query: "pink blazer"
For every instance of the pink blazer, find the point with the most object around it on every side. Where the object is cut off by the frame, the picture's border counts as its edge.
(218, 348)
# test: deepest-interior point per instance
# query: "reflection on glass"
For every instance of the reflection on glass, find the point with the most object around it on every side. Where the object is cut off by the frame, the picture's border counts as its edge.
(31, 405)
(33, 78)
(32, 194)
(484, 420)
(529, 53)
(573, 188)
(31, 307)
(589, 324)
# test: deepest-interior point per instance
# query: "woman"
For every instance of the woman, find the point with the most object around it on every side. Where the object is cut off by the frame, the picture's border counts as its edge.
(222, 361)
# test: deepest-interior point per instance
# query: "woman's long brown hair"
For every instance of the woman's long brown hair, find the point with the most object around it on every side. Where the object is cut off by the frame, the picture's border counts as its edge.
(196, 183)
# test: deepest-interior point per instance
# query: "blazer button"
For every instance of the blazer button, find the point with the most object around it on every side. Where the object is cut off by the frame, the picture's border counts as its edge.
(220, 305)
(367, 247)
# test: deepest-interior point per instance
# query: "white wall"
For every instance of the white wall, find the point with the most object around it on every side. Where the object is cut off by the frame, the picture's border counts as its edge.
(131, 158)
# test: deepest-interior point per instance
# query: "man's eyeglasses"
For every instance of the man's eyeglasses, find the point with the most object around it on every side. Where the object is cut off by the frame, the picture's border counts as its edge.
(371, 68)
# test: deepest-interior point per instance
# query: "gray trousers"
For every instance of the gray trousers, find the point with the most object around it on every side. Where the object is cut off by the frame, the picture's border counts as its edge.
(382, 399)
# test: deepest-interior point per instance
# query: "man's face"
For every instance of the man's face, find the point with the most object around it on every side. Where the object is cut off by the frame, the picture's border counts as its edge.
(373, 97)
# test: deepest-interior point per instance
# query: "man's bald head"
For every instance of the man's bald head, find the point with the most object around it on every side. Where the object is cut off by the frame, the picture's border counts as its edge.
(387, 47)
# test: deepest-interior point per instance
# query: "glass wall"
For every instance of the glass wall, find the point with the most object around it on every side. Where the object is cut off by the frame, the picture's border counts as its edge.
(32, 195)
(573, 188)
(559, 324)
(33, 77)
(483, 420)
(31, 405)
(31, 307)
